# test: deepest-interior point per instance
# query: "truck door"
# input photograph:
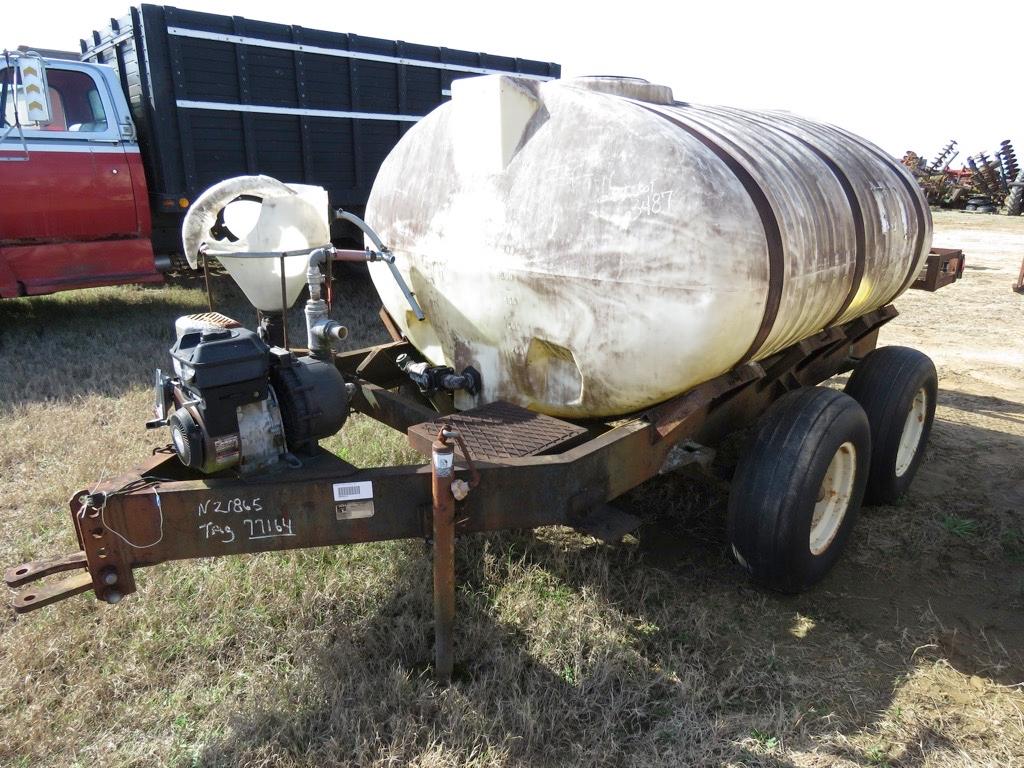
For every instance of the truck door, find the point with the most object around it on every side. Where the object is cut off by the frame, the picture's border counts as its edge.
(75, 184)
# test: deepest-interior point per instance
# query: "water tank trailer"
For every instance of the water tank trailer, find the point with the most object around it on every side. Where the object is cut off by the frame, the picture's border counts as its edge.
(587, 284)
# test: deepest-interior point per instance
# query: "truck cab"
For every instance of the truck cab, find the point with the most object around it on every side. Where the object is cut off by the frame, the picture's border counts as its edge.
(74, 208)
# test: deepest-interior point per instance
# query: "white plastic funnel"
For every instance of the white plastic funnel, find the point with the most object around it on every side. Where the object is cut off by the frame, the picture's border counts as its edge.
(260, 279)
(293, 219)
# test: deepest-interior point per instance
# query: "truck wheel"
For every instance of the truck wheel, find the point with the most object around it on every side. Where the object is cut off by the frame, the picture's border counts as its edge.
(798, 487)
(896, 387)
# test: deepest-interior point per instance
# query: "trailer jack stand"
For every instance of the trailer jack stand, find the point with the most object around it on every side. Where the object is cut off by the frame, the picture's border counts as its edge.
(442, 473)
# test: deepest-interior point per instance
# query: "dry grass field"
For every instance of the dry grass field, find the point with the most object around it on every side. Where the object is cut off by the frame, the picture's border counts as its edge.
(654, 652)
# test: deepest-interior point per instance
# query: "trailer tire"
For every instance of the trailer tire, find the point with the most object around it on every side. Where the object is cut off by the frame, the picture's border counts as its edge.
(896, 387)
(798, 487)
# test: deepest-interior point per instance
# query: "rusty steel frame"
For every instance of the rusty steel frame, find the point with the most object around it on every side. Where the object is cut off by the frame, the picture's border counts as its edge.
(943, 266)
(162, 511)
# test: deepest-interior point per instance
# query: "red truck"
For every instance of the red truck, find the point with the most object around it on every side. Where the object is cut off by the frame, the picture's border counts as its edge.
(165, 102)
(73, 197)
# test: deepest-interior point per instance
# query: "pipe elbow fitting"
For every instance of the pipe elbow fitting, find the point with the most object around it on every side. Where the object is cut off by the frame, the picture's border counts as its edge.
(332, 330)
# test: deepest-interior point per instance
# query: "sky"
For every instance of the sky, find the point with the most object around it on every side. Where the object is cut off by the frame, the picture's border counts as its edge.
(906, 75)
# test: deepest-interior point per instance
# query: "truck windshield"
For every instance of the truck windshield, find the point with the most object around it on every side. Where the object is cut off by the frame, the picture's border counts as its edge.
(74, 99)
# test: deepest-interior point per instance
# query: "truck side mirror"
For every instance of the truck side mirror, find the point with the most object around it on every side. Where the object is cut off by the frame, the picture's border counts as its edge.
(25, 95)
(31, 89)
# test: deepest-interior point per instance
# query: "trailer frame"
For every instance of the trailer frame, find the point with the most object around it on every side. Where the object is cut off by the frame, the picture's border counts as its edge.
(556, 473)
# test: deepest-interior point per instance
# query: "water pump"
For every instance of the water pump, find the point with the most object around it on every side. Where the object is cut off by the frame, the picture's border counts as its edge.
(235, 402)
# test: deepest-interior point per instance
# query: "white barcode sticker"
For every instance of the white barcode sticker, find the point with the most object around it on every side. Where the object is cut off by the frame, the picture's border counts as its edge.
(353, 491)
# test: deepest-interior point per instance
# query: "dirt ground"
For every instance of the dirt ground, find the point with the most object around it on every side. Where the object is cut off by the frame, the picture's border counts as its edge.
(653, 652)
(974, 331)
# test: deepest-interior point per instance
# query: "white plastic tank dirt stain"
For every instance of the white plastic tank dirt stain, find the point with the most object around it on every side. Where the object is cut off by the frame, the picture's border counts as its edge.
(593, 247)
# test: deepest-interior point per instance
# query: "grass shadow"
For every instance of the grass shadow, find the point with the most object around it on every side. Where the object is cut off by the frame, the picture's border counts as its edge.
(107, 341)
(575, 652)
(531, 687)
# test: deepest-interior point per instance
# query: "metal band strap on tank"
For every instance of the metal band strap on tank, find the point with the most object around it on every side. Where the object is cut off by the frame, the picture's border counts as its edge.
(860, 237)
(772, 231)
(913, 191)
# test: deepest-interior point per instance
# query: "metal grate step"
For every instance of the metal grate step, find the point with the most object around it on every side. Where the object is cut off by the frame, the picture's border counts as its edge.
(499, 430)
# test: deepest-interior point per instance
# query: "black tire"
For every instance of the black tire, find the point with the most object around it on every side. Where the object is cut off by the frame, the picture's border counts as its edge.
(1015, 200)
(886, 383)
(776, 488)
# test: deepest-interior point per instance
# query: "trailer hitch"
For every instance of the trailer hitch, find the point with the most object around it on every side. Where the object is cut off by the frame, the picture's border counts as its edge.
(121, 524)
(98, 571)
(30, 598)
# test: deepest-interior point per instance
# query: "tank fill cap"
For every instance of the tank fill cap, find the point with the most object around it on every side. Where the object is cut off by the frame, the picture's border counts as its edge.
(627, 87)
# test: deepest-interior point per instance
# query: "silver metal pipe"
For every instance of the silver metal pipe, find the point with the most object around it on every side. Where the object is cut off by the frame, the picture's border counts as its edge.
(321, 330)
(383, 254)
(367, 230)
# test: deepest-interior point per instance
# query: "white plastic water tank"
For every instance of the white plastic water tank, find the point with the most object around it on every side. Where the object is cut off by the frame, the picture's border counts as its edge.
(594, 247)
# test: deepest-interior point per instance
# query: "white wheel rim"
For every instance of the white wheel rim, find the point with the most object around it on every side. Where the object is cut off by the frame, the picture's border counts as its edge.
(833, 498)
(913, 428)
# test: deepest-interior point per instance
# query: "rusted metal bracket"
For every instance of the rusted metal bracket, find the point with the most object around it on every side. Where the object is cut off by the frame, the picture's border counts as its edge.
(32, 597)
(944, 266)
(376, 364)
(394, 410)
(671, 419)
(390, 325)
(19, 575)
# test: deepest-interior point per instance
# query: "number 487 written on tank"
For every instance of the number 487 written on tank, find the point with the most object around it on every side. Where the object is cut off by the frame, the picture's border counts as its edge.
(649, 202)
